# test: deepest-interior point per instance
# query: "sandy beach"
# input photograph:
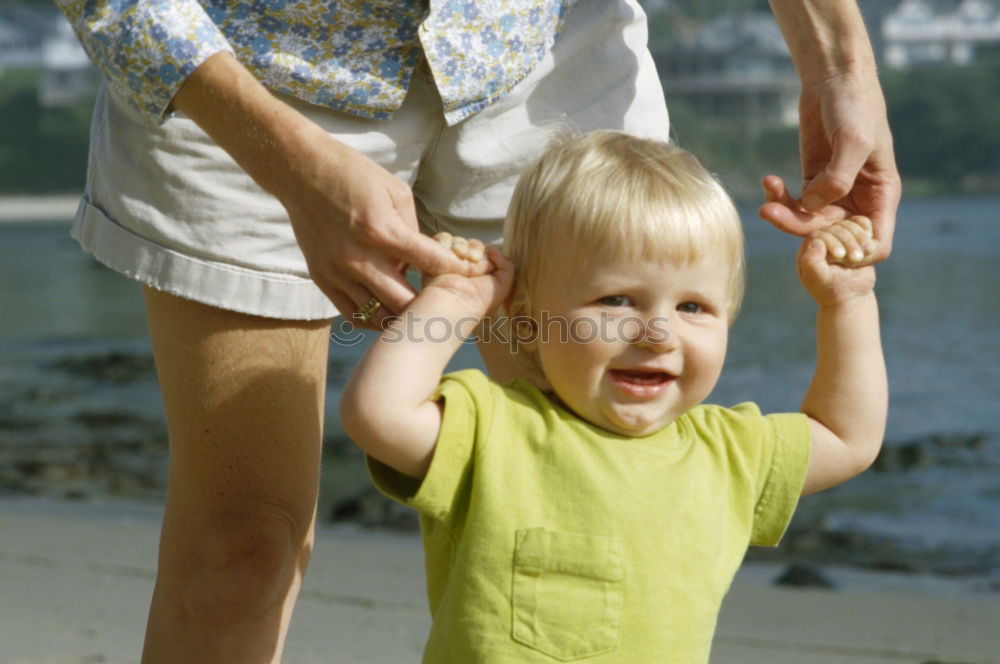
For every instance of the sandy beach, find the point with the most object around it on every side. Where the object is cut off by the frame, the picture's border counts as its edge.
(75, 580)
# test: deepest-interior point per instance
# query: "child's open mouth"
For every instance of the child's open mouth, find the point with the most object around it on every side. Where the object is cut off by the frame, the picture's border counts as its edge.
(641, 382)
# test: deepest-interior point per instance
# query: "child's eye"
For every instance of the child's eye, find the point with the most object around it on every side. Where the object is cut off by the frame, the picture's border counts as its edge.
(689, 308)
(616, 301)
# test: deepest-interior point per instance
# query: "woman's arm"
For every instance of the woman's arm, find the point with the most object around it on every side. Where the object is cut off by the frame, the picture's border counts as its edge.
(355, 222)
(844, 138)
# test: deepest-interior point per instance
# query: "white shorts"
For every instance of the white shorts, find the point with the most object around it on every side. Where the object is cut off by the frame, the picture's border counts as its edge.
(167, 207)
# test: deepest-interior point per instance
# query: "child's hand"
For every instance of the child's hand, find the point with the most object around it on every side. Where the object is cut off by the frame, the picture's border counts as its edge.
(492, 273)
(833, 263)
(472, 251)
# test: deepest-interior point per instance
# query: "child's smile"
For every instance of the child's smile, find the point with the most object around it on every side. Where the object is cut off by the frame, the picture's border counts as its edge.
(641, 383)
(628, 345)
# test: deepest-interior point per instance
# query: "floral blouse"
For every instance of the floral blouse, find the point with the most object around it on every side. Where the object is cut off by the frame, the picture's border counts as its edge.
(355, 56)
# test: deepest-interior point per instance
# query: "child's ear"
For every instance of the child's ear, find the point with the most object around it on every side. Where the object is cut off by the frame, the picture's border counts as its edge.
(523, 334)
(523, 328)
(515, 299)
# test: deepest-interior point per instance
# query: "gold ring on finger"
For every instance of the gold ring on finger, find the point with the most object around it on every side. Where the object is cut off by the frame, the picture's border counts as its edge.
(368, 310)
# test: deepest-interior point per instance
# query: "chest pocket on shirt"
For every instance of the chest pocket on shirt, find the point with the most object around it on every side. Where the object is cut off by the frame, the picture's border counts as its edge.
(567, 594)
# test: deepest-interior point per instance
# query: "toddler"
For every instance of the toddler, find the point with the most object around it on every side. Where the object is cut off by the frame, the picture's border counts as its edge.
(599, 510)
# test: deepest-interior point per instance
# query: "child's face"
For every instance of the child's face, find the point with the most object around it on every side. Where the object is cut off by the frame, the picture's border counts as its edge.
(629, 345)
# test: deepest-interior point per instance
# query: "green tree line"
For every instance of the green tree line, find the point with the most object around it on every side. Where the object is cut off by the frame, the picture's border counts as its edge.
(42, 150)
(944, 122)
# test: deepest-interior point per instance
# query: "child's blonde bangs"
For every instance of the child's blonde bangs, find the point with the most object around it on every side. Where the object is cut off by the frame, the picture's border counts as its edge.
(609, 194)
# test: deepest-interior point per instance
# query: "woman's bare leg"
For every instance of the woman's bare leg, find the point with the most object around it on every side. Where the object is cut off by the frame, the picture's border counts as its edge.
(244, 403)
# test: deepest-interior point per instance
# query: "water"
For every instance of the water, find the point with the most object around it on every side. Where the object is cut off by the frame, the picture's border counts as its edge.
(940, 302)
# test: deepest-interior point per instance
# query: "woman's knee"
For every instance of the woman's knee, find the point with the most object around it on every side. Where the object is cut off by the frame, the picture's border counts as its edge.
(241, 563)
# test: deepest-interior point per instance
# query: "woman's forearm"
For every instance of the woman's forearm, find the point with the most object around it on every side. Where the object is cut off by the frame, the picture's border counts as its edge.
(825, 37)
(269, 139)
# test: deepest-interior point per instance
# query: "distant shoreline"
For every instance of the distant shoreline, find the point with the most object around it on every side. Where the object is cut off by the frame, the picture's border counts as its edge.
(15, 208)
(51, 207)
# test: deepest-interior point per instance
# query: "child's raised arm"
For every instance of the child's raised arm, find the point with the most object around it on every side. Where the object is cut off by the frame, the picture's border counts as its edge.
(847, 400)
(386, 408)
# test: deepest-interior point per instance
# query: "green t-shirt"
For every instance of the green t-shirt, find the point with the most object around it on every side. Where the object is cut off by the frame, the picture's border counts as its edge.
(548, 539)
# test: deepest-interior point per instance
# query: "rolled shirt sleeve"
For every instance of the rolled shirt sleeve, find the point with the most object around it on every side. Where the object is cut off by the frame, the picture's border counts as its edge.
(468, 397)
(787, 459)
(145, 48)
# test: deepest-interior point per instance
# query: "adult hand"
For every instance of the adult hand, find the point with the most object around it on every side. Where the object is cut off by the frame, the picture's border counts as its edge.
(355, 222)
(357, 226)
(848, 166)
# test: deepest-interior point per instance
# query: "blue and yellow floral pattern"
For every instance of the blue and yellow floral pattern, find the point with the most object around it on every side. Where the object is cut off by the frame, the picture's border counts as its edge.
(355, 56)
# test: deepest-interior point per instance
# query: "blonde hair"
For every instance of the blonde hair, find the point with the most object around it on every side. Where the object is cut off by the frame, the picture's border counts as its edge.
(611, 193)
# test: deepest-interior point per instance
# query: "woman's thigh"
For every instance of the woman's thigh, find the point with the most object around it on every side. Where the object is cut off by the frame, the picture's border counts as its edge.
(244, 402)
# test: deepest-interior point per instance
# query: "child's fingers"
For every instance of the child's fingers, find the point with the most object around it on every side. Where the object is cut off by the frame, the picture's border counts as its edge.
(460, 246)
(471, 250)
(841, 243)
(476, 250)
(861, 228)
(835, 249)
(849, 241)
(812, 259)
(814, 250)
(496, 276)
(444, 239)
(864, 223)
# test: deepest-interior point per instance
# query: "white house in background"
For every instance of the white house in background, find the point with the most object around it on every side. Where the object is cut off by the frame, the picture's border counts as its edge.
(18, 45)
(923, 32)
(41, 39)
(67, 74)
(735, 68)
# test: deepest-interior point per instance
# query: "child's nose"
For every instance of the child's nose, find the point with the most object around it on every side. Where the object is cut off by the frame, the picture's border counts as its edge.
(657, 334)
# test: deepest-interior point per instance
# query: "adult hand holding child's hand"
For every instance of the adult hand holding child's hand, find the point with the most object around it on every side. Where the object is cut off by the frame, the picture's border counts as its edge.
(848, 167)
(834, 263)
(487, 281)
